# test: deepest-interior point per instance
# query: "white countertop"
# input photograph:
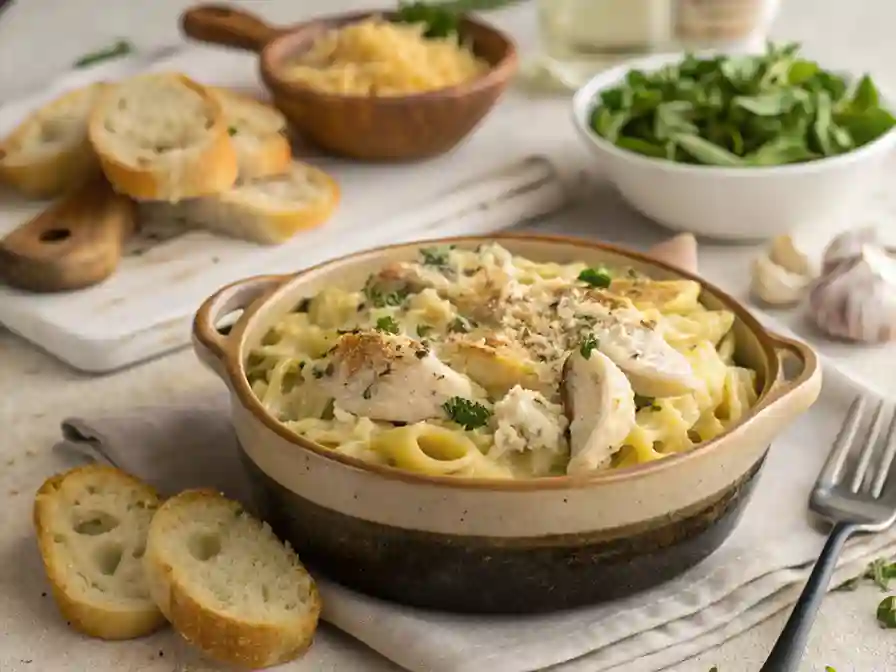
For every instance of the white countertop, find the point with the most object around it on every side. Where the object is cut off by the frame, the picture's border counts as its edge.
(40, 39)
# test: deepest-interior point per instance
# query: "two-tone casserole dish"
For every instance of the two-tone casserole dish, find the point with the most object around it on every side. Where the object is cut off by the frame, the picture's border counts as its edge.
(483, 544)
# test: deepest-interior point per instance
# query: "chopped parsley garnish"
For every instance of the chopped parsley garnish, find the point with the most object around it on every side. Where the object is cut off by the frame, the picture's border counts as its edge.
(461, 326)
(596, 277)
(646, 402)
(387, 324)
(435, 256)
(879, 571)
(382, 299)
(423, 329)
(468, 414)
(231, 131)
(589, 344)
(303, 306)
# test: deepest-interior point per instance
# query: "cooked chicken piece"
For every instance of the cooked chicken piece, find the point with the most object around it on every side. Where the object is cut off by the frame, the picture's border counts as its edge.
(654, 368)
(669, 296)
(393, 378)
(600, 405)
(492, 363)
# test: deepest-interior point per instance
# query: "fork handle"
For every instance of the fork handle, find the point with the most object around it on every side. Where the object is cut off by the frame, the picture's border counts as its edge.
(788, 650)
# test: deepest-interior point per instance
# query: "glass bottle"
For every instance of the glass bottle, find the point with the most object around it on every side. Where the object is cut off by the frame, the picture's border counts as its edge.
(582, 37)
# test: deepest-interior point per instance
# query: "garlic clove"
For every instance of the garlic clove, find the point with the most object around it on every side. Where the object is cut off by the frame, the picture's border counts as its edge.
(856, 301)
(781, 276)
(775, 285)
(848, 245)
(785, 254)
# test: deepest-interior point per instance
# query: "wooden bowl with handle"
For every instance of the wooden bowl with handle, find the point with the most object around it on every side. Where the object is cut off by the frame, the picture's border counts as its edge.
(372, 128)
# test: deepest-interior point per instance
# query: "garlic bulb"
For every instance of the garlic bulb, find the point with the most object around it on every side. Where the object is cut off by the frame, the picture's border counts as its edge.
(856, 301)
(781, 275)
(848, 245)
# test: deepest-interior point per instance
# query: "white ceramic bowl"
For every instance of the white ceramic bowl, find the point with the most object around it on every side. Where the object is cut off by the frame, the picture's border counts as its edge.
(745, 204)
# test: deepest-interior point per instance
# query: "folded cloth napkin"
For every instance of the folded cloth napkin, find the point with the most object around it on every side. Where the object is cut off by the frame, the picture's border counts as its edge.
(757, 572)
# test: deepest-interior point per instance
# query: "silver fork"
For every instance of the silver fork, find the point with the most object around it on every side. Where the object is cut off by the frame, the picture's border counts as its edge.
(863, 500)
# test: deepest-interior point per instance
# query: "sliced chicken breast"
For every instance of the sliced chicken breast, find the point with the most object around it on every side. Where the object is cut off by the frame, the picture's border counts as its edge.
(600, 405)
(394, 378)
(654, 368)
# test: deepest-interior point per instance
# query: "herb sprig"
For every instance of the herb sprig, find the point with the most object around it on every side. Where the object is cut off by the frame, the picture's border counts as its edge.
(759, 110)
(468, 414)
(120, 48)
(442, 19)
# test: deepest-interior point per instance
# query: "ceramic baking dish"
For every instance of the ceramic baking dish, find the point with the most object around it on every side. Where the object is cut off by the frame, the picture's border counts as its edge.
(475, 545)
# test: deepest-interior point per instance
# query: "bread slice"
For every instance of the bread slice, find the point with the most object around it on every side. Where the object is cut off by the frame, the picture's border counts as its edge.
(227, 584)
(91, 525)
(258, 134)
(269, 210)
(162, 136)
(48, 153)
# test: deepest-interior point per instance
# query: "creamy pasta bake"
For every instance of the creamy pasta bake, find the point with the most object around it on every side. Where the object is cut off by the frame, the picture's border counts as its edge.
(481, 363)
(376, 57)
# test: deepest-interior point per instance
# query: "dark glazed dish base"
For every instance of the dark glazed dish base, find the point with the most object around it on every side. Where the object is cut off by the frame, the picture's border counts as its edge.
(496, 575)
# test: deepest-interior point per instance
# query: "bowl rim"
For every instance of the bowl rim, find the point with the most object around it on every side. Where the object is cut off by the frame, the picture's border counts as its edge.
(497, 74)
(583, 104)
(239, 385)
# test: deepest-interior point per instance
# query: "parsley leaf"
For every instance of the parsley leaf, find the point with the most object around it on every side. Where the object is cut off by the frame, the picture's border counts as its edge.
(423, 329)
(468, 414)
(387, 324)
(596, 277)
(589, 344)
(435, 256)
(886, 613)
(645, 402)
(460, 326)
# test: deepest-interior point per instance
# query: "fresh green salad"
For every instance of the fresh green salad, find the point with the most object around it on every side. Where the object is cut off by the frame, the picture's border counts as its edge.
(751, 110)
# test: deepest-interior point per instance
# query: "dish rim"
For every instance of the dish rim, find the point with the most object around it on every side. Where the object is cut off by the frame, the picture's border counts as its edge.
(583, 104)
(270, 58)
(238, 383)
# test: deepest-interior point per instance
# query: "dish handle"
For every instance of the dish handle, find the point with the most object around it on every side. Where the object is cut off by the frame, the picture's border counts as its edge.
(213, 347)
(228, 27)
(796, 389)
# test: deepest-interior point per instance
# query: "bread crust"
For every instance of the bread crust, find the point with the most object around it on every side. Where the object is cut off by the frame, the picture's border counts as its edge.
(210, 171)
(220, 636)
(95, 620)
(49, 174)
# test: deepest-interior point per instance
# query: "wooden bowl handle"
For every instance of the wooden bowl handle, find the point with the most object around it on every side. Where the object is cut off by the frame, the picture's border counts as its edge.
(228, 27)
(209, 342)
(75, 243)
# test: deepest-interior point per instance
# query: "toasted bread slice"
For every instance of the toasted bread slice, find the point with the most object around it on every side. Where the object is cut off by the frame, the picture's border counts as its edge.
(48, 153)
(163, 137)
(91, 525)
(258, 134)
(269, 210)
(227, 584)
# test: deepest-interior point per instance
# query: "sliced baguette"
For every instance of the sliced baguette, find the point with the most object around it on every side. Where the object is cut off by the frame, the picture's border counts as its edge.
(227, 584)
(258, 134)
(163, 137)
(49, 153)
(268, 211)
(91, 525)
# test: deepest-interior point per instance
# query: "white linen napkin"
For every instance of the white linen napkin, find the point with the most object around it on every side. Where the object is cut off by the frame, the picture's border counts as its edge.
(757, 572)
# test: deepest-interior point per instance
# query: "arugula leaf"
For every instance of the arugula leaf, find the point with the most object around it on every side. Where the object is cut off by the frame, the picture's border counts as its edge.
(468, 414)
(774, 108)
